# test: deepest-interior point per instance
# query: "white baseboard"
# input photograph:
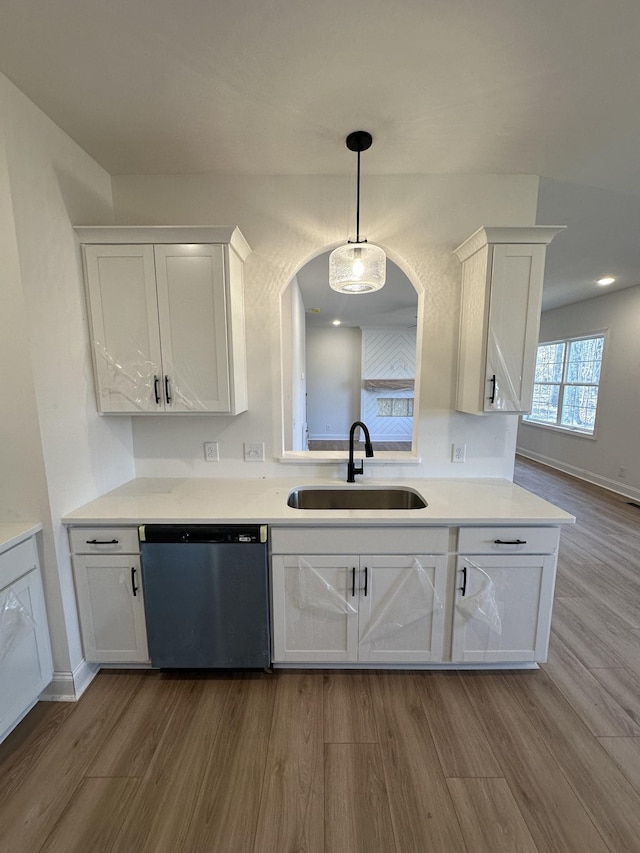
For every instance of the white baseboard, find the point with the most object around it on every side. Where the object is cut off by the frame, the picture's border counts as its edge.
(69, 686)
(581, 474)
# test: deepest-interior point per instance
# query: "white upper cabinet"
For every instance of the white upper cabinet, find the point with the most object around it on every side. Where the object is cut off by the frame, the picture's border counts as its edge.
(502, 278)
(166, 311)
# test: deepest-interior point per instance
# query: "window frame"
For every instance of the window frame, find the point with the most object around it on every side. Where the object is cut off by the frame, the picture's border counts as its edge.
(563, 384)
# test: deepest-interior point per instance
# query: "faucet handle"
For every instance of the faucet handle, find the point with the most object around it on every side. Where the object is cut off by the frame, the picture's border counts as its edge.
(354, 468)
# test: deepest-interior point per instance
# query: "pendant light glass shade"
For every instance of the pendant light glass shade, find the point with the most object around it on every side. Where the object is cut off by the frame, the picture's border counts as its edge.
(357, 268)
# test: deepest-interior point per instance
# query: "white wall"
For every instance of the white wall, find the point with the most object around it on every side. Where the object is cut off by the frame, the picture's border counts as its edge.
(615, 443)
(294, 370)
(333, 381)
(60, 453)
(419, 220)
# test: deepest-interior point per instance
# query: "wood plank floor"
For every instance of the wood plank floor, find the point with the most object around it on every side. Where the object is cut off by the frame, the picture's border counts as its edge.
(395, 762)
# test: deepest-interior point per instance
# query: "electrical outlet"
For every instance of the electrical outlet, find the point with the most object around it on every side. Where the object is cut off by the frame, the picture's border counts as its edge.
(327, 427)
(458, 452)
(621, 472)
(211, 451)
(254, 451)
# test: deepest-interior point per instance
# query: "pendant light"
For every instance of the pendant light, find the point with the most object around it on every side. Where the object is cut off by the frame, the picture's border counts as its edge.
(358, 267)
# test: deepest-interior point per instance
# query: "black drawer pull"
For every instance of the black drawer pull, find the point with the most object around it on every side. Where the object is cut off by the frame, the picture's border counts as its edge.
(156, 389)
(366, 579)
(134, 588)
(167, 393)
(492, 396)
(463, 588)
(102, 541)
(509, 541)
(353, 581)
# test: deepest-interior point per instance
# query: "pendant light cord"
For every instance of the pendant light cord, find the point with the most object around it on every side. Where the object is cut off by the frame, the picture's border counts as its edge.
(358, 203)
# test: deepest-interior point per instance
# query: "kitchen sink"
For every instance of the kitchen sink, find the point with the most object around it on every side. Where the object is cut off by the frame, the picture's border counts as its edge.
(355, 498)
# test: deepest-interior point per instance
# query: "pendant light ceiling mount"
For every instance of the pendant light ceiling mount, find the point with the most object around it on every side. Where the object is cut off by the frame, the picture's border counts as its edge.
(359, 267)
(359, 140)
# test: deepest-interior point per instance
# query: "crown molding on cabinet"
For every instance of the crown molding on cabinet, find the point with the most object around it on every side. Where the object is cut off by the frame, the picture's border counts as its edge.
(139, 234)
(507, 234)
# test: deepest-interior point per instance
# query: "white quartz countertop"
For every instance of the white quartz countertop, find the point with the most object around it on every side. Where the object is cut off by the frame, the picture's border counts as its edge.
(14, 532)
(199, 500)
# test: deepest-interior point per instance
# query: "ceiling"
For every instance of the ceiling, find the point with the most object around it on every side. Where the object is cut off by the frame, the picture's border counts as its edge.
(273, 87)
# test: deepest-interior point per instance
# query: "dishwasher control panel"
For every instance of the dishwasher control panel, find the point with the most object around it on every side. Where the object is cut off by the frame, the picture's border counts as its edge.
(245, 534)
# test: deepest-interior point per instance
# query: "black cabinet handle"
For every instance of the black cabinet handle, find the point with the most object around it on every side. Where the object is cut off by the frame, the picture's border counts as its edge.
(492, 396)
(509, 541)
(463, 588)
(353, 581)
(366, 579)
(156, 389)
(167, 393)
(101, 541)
(134, 588)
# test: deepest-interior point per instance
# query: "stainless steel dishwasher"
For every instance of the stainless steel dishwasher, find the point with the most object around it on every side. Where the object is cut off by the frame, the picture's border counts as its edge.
(206, 595)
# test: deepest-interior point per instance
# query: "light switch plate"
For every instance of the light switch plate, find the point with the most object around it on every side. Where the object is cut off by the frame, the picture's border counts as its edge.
(254, 451)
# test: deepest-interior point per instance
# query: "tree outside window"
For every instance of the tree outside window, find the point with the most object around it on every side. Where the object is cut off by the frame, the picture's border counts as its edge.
(567, 378)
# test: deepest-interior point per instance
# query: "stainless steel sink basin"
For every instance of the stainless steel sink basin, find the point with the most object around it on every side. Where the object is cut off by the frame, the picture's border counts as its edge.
(355, 498)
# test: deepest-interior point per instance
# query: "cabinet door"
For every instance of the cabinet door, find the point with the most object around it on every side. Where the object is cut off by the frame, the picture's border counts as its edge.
(514, 319)
(315, 617)
(402, 608)
(193, 327)
(121, 287)
(111, 608)
(25, 653)
(502, 609)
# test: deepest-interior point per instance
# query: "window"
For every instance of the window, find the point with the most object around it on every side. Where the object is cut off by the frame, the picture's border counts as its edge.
(565, 391)
(394, 407)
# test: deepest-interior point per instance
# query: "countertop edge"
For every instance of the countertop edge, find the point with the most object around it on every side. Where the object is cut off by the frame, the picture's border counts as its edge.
(12, 533)
(315, 521)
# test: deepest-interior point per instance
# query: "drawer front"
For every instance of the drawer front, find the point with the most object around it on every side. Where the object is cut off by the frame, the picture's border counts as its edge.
(104, 540)
(359, 540)
(508, 540)
(17, 561)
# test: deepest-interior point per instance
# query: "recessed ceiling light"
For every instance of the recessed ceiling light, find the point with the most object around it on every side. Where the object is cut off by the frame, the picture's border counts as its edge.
(336, 322)
(608, 279)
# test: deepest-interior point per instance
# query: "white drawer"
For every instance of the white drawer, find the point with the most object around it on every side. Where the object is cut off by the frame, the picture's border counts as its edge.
(508, 540)
(104, 540)
(17, 561)
(359, 540)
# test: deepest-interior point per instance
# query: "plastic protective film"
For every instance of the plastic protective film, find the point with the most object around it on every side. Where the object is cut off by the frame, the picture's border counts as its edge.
(15, 623)
(413, 597)
(482, 606)
(133, 379)
(136, 380)
(316, 593)
(506, 395)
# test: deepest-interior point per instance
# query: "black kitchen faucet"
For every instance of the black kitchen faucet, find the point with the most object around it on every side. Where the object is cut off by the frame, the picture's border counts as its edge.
(352, 467)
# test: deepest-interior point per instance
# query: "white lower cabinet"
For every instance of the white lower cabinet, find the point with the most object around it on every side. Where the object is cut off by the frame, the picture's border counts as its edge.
(25, 652)
(401, 608)
(110, 595)
(502, 608)
(504, 594)
(314, 616)
(482, 596)
(346, 608)
(351, 608)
